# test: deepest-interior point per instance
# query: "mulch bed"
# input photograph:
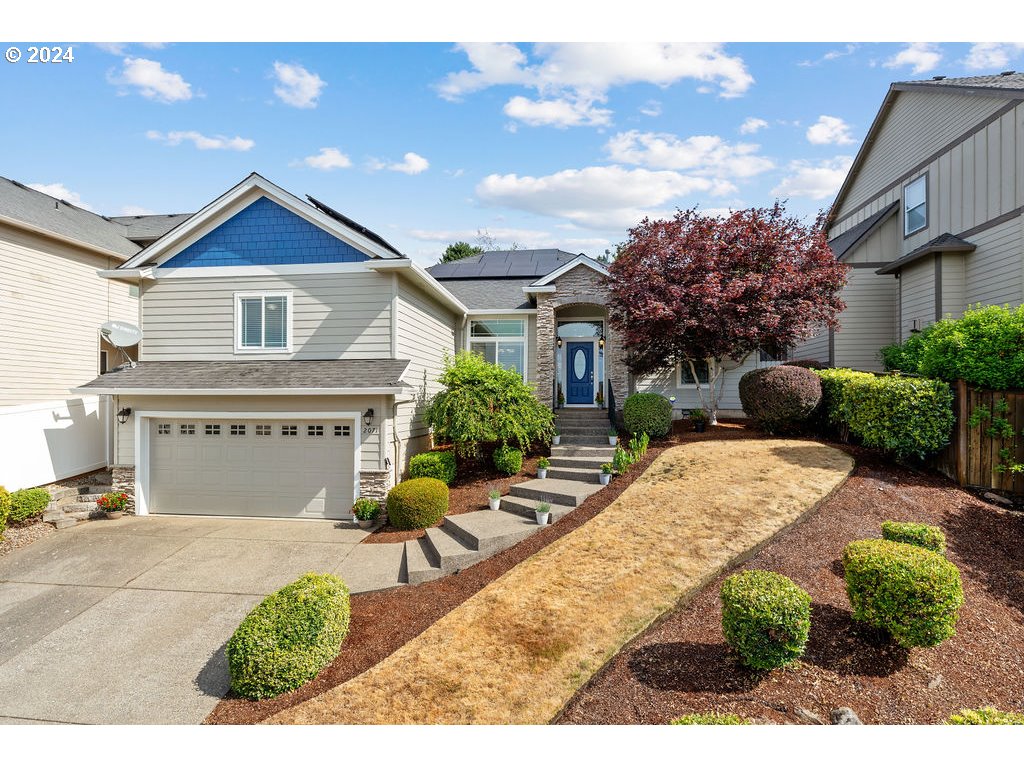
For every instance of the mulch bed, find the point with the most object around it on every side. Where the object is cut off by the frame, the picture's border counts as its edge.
(24, 533)
(382, 622)
(682, 665)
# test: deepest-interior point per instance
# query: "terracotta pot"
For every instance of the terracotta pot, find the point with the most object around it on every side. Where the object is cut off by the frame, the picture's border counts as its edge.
(365, 524)
(113, 514)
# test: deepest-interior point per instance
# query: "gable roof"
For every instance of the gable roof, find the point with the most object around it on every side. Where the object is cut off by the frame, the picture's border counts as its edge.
(944, 243)
(854, 236)
(354, 225)
(40, 212)
(491, 294)
(150, 226)
(1007, 85)
(245, 192)
(579, 261)
(498, 265)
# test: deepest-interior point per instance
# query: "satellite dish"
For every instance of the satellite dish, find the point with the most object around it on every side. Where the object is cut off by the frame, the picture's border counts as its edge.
(121, 334)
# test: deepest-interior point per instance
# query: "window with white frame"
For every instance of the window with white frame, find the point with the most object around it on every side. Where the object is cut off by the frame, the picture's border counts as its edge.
(915, 205)
(686, 375)
(500, 341)
(263, 321)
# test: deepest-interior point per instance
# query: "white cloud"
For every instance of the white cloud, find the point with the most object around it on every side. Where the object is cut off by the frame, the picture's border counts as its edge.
(652, 108)
(297, 86)
(920, 57)
(829, 130)
(524, 238)
(61, 192)
(135, 210)
(600, 197)
(152, 80)
(118, 49)
(560, 113)
(703, 155)
(832, 55)
(174, 138)
(328, 159)
(814, 181)
(412, 164)
(753, 125)
(992, 55)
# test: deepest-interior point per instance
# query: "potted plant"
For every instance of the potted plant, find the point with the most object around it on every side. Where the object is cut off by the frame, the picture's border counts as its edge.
(543, 513)
(699, 419)
(113, 504)
(613, 436)
(561, 396)
(542, 467)
(606, 473)
(556, 438)
(599, 399)
(494, 498)
(366, 511)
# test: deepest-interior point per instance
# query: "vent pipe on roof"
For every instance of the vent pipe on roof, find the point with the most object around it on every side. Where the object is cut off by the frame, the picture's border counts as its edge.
(939, 77)
(1007, 72)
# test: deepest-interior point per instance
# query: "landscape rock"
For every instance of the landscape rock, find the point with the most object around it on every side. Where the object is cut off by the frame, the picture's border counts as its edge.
(997, 499)
(807, 716)
(845, 716)
(935, 682)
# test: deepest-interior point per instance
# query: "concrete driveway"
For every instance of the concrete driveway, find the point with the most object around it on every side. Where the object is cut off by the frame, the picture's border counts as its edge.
(125, 621)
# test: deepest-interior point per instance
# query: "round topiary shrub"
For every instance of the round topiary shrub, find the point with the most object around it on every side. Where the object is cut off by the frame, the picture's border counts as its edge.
(985, 716)
(912, 593)
(418, 503)
(709, 718)
(507, 460)
(289, 637)
(780, 399)
(5, 508)
(766, 618)
(918, 534)
(436, 464)
(28, 502)
(647, 413)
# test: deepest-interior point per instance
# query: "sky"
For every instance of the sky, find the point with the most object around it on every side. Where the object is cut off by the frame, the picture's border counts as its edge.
(539, 145)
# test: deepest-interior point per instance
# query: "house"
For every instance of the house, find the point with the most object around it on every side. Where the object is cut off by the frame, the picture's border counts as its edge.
(288, 354)
(929, 217)
(52, 302)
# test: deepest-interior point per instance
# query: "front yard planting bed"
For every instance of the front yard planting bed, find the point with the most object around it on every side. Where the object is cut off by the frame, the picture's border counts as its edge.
(682, 665)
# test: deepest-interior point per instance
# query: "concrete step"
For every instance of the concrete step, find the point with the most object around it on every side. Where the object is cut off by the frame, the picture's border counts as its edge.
(583, 417)
(79, 506)
(87, 497)
(451, 554)
(568, 493)
(489, 531)
(584, 475)
(418, 567)
(578, 462)
(583, 451)
(597, 431)
(587, 441)
(66, 522)
(528, 508)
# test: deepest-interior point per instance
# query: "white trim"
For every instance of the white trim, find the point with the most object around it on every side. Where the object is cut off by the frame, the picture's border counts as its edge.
(680, 384)
(531, 289)
(424, 278)
(263, 350)
(270, 391)
(18, 224)
(142, 439)
(525, 338)
(224, 207)
(267, 270)
(495, 312)
(580, 260)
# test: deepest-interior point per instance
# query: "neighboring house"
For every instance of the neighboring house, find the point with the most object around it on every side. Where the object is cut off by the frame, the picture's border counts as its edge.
(52, 302)
(930, 216)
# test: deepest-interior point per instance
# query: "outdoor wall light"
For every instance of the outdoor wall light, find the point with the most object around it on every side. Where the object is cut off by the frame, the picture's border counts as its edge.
(558, 342)
(368, 417)
(123, 414)
(600, 341)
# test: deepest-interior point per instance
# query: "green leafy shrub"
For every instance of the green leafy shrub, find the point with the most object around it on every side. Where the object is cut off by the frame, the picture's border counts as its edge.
(622, 460)
(911, 592)
(918, 534)
(781, 398)
(906, 417)
(833, 382)
(28, 502)
(637, 447)
(508, 460)
(366, 508)
(647, 413)
(766, 618)
(906, 357)
(5, 508)
(986, 716)
(437, 464)
(289, 637)
(484, 403)
(418, 503)
(710, 718)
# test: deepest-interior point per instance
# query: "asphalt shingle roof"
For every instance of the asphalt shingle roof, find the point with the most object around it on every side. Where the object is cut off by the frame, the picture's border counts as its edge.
(490, 294)
(844, 243)
(1010, 81)
(502, 264)
(279, 374)
(944, 242)
(150, 227)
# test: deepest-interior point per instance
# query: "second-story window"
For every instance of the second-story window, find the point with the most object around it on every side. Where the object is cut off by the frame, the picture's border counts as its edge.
(915, 205)
(263, 321)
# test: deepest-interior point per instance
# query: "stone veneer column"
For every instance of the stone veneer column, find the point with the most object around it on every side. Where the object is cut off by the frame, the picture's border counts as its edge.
(122, 480)
(375, 485)
(545, 349)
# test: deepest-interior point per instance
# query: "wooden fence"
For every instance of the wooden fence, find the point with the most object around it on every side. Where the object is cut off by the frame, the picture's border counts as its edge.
(988, 437)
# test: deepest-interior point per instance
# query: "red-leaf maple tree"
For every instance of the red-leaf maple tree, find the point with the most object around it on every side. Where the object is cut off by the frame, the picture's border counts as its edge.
(702, 288)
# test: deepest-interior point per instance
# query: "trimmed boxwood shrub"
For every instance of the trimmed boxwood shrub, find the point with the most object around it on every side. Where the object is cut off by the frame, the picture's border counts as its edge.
(5, 508)
(289, 637)
(781, 398)
(436, 464)
(28, 502)
(766, 618)
(710, 718)
(833, 382)
(647, 413)
(418, 503)
(912, 593)
(507, 460)
(985, 716)
(918, 534)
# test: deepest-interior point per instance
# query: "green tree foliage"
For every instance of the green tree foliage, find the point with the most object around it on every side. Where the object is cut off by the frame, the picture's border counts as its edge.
(484, 403)
(459, 250)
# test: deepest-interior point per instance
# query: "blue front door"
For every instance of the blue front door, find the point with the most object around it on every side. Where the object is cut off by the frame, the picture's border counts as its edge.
(579, 357)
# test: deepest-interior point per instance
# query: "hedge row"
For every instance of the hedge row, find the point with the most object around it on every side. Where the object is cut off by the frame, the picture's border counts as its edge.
(780, 399)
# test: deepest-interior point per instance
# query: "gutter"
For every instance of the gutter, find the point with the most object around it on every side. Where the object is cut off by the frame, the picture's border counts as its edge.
(64, 239)
(269, 391)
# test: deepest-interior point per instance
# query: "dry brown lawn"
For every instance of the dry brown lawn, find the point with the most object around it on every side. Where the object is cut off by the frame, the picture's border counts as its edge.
(516, 651)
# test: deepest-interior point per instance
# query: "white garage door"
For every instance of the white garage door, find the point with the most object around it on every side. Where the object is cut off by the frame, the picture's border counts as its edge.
(251, 467)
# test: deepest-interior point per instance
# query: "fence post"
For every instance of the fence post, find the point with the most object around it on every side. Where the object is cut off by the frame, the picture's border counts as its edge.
(961, 432)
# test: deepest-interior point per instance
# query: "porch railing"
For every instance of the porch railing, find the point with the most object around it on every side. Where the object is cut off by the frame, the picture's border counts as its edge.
(611, 402)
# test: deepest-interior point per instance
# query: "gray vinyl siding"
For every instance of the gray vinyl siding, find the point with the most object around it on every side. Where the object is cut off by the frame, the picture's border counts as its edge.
(344, 315)
(666, 383)
(814, 348)
(52, 304)
(869, 321)
(917, 292)
(993, 273)
(918, 125)
(881, 246)
(953, 285)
